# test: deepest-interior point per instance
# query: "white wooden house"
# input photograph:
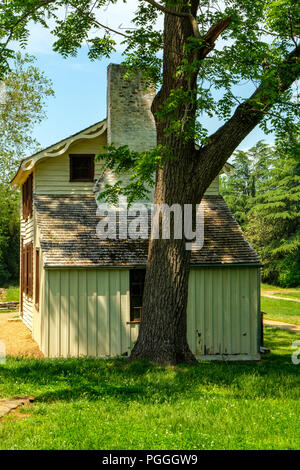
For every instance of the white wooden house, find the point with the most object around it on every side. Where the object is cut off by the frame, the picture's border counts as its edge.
(80, 295)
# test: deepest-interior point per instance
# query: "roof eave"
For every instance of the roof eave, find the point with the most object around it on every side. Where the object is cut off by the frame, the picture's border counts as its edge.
(59, 148)
(140, 266)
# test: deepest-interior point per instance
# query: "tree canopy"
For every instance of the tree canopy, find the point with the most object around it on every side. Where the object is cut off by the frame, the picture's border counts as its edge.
(22, 104)
(258, 42)
(24, 90)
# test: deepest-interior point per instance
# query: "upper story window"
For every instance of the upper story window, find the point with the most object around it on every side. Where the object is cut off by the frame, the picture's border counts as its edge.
(81, 167)
(27, 190)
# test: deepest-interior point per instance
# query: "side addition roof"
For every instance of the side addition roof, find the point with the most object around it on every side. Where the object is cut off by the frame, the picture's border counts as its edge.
(68, 236)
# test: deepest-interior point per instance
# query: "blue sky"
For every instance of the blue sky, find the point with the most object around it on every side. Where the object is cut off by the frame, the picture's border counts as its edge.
(80, 85)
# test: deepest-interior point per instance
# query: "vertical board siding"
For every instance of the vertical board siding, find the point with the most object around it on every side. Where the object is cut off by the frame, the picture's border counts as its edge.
(92, 317)
(125, 313)
(87, 312)
(64, 316)
(103, 347)
(73, 348)
(115, 315)
(82, 314)
(54, 314)
(222, 311)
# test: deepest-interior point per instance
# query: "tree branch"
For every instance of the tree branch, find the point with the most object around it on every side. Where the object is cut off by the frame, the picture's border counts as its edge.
(166, 10)
(247, 115)
(23, 17)
(96, 22)
(181, 14)
(212, 35)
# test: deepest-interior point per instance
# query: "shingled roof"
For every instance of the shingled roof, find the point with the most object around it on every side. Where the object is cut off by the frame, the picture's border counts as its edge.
(68, 236)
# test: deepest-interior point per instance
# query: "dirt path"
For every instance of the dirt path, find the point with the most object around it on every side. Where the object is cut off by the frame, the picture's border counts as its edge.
(290, 299)
(285, 326)
(17, 337)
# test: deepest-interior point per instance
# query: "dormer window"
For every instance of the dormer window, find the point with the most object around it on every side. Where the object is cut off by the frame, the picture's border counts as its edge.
(82, 167)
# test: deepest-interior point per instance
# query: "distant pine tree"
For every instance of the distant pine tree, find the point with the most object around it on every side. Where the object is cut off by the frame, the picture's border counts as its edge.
(273, 223)
(250, 170)
(264, 196)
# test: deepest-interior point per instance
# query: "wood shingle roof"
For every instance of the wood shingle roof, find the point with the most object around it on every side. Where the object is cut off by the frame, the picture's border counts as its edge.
(68, 237)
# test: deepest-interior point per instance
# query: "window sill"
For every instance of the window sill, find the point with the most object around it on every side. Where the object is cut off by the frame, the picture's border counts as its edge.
(82, 181)
(133, 322)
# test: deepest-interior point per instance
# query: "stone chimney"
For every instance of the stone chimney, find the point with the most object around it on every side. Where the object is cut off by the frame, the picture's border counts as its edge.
(129, 118)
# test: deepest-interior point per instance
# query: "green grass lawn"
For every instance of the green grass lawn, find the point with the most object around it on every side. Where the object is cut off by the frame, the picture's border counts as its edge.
(293, 293)
(110, 404)
(281, 310)
(12, 294)
(282, 289)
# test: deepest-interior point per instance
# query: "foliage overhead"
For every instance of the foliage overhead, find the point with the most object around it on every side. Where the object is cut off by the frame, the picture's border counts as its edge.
(23, 92)
(258, 38)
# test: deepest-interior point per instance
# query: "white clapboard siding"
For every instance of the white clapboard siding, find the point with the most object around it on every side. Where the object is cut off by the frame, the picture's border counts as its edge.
(27, 311)
(27, 234)
(27, 230)
(52, 175)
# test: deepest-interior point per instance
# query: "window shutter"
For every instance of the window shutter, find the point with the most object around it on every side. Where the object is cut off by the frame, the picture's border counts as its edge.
(22, 276)
(37, 278)
(26, 269)
(30, 191)
(27, 193)
(30, 280)
(24, 200)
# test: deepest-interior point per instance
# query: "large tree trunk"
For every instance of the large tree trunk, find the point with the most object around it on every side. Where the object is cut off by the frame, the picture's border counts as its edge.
(184, 179)
(163, 330)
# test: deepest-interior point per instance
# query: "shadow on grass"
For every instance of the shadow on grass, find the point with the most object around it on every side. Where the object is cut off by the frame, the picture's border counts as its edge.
(275, 376)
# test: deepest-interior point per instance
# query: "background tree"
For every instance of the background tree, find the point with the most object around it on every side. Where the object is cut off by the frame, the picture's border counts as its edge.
(22, 102)
(198, 77)
(273, 225)
(264, 194)
(250, 170)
